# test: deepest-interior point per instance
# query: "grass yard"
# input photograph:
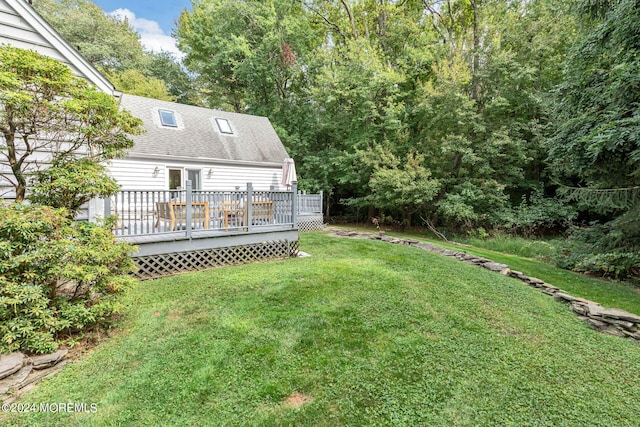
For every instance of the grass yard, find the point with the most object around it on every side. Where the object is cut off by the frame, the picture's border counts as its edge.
(625, 296)
(364, 332)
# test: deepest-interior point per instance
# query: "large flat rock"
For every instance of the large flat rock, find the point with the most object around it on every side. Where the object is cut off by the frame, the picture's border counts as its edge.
(10, 364)
(616, 313)
(494, 266)
(14, 380)
(48, 360)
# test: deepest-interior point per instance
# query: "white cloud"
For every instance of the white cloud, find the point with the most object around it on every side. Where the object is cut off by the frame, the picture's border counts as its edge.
(151, 35)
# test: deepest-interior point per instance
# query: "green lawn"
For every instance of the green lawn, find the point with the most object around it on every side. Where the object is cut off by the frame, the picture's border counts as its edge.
(609, 293)
(373, 333)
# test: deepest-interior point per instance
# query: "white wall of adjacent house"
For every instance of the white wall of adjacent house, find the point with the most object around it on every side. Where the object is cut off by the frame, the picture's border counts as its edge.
(134, 174)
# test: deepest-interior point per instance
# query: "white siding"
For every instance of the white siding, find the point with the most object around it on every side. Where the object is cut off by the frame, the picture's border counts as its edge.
(139, 175)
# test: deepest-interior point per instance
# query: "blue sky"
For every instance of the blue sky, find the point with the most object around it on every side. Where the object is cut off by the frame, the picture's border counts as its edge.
(152, 19)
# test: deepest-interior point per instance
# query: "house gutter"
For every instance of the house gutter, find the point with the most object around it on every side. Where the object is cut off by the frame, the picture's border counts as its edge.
(203, 160)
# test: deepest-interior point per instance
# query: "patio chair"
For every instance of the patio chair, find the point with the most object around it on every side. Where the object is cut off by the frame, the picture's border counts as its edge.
(176, 214)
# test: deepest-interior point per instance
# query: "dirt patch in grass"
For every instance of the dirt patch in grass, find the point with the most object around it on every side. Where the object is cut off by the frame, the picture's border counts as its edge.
(175, 314)
(296, 400)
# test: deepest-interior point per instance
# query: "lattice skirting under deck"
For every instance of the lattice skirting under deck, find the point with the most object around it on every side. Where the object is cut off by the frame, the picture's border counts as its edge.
(310, 222)
(154, 266)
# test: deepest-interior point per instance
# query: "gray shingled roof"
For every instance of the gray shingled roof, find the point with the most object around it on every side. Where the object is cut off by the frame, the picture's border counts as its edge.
(197, 136)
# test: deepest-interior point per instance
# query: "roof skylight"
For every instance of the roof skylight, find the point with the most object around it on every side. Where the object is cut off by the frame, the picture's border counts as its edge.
(168, 118)
(224, 126)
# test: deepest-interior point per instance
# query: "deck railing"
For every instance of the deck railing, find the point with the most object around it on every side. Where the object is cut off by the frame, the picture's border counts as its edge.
(309, 203)
(141, 212)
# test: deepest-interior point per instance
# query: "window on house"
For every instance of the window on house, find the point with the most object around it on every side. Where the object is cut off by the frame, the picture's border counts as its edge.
(193, 175)
(168, 118)
(224, 126)
(175, 179)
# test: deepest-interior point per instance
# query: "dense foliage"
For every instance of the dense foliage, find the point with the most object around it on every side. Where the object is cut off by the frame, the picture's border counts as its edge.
(56, 276)
(450, 95)
(110, 43)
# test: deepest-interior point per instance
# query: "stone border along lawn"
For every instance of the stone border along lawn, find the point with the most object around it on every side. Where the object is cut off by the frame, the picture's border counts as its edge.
(19, 374)
(611, 321)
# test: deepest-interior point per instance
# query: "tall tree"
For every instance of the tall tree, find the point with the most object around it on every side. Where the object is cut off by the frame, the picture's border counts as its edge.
(246, 53)
(105, 41)
(596, 151)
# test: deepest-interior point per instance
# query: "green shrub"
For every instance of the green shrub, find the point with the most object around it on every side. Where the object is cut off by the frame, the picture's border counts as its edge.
(600, 249)
(539, 214)
(55, 275)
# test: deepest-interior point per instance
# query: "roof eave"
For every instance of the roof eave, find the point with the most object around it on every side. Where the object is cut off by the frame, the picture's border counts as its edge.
(201, 160)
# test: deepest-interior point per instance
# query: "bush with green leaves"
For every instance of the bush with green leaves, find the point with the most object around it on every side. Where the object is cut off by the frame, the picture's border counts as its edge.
(600, 249)
(56, 276)
(540, 214)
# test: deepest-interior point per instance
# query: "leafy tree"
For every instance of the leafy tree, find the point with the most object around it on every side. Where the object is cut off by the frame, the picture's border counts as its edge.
(165, 67)
(596, 150)
(246, 53)
(105, 41)
(598, 139)
(135, 83)
(70, 183)
(404, 189)
(47, 115)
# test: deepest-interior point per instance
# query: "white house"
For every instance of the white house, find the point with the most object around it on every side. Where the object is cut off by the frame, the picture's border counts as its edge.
(214, 149)
(219, 152)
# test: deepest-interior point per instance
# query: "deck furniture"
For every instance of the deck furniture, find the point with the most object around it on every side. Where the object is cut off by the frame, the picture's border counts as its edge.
(176, 213)
(235, 212)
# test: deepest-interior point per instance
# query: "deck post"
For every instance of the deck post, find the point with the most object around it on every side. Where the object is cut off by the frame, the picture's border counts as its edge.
(188, 206)
(294, 203)
(107, 207)
(321, 201)
(249, 206)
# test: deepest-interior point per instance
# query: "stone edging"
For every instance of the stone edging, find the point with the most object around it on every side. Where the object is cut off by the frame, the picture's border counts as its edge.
(19, 373)
(611, 321)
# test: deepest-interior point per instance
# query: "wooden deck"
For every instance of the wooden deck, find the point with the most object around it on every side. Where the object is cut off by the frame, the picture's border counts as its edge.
(185, 230)
(178, 241)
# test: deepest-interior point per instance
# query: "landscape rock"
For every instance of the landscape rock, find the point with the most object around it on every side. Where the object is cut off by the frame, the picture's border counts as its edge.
(425, 246)
(16, 379)
(630, 326)
(566, 297)
(517, 275)
(47, 360)
(494, 266)
(597, 324)
(597, 310)
(579, 308)
(449, 253)
(10, 364)
(612, 330)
